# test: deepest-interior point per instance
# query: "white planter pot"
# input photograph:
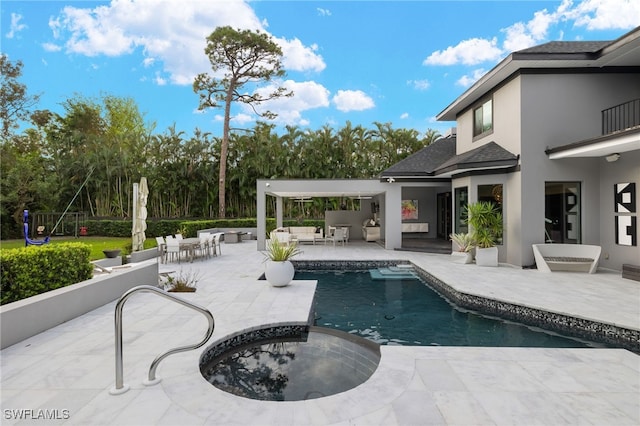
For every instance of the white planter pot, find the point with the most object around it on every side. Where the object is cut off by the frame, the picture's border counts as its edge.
(279, 274)
(487, 256)
(462, 257)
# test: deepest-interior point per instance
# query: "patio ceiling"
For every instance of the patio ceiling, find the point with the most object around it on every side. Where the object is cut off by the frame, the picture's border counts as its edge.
(617, 143)
(324, 188)
(322, 194)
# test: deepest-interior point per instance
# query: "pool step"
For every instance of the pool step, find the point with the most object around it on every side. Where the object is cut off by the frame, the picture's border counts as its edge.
(392, 273)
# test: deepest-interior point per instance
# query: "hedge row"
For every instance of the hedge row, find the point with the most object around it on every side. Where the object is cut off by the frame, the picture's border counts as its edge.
(163, 227)
(122, 228)
(33, 270)
(189, 228)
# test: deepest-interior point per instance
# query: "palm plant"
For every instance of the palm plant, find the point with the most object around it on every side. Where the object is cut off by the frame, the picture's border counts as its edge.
(278, 251)
(486, 220)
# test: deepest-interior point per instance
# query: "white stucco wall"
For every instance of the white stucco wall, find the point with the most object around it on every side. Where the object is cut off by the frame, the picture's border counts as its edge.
(626, 169)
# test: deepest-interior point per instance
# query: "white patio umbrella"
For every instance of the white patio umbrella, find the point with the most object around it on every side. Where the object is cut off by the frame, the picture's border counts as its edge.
(140, 196)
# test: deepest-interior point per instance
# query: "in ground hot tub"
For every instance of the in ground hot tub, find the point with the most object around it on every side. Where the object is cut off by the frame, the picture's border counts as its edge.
(290, 363)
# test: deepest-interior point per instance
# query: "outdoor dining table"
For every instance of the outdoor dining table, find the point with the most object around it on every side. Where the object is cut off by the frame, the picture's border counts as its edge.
(189, 246)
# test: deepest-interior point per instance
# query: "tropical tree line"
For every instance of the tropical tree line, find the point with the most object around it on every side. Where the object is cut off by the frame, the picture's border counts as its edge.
(87, 158)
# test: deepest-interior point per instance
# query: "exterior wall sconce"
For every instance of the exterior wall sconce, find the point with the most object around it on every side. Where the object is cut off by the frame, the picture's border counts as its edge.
(613, 157)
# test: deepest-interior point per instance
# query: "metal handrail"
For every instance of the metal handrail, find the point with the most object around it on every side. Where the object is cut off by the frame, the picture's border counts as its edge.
(120, 386)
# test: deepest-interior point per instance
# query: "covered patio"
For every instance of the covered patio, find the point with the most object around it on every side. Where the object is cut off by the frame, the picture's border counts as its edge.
(381, 199)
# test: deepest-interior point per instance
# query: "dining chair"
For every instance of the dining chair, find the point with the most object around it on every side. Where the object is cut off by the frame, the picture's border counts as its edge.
(204, 247)
(212, 244)
(162, 248)
(216, 243)
(173, 248)
(338, 235)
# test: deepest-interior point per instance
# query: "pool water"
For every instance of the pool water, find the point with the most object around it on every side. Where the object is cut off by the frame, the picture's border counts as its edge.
(407, 312)
(318, 363)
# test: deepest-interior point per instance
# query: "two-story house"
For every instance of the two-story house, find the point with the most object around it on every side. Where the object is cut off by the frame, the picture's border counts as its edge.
(552, 135)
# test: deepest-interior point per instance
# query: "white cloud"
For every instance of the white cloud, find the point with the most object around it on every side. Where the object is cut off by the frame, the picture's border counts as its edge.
(15, 26)
(419, 84)
(298, 57)
(592, 14)
(51, 47)
(169, 32)
(468, 52)
(604, 14)
(352, 100)
(306, 95)
(523, 35)
(468, 80)
(323, 12)
(242, 119)
(92, 32)
(159, 80)
(404, 116)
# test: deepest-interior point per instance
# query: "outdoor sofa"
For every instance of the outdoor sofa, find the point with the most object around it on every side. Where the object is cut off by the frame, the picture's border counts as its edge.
(303, 233)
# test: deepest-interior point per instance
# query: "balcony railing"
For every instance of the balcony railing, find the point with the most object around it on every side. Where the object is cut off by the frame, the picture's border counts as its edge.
(621, 117)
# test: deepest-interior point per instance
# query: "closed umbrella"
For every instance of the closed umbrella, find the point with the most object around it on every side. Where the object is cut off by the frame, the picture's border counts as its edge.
(140, 214)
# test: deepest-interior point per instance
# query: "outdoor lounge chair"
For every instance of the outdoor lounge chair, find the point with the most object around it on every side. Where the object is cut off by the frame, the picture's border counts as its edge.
(566, 257)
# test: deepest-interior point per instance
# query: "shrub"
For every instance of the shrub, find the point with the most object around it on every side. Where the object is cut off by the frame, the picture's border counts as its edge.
(34, 270)
(109, 228)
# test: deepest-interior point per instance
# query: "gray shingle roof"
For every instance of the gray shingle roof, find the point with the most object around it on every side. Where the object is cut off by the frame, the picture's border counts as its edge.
(567, 47)
(488, 155)
(439, 158)
(425, 161)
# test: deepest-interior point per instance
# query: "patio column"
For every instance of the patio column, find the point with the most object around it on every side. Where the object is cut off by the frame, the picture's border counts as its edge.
(279, 209)
(261, 215)
(393, 218)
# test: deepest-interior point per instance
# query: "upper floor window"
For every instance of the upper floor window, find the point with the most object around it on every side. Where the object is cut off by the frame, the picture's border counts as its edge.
(483, 118)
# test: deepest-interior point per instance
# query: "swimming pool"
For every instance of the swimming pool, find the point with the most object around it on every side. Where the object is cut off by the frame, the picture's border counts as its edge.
(408, 312)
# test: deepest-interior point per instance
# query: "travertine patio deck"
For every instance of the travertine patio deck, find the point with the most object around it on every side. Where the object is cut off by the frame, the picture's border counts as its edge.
(71, 367)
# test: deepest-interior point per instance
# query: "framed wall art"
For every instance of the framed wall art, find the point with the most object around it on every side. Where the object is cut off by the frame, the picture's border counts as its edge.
(409, 209)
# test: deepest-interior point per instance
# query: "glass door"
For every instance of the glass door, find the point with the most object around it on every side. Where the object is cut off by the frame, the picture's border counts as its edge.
(562, 212)
(461, 200)
(444, 215)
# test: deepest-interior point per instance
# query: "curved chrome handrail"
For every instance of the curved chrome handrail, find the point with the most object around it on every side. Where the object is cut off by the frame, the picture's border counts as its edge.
(120, 387)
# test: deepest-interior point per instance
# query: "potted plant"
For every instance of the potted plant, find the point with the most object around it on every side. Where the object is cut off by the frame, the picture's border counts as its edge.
(279, 270)
(111, 253)
(182, 282)
(465, 244)
(486, 222)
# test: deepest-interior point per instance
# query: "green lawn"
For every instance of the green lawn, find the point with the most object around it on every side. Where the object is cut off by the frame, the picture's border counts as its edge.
(97, 244)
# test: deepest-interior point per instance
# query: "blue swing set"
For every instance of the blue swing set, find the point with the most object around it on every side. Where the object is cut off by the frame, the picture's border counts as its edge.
(25, 225)
(25, 219)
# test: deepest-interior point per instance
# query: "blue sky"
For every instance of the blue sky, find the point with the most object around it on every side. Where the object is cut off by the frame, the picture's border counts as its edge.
(361, 61)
